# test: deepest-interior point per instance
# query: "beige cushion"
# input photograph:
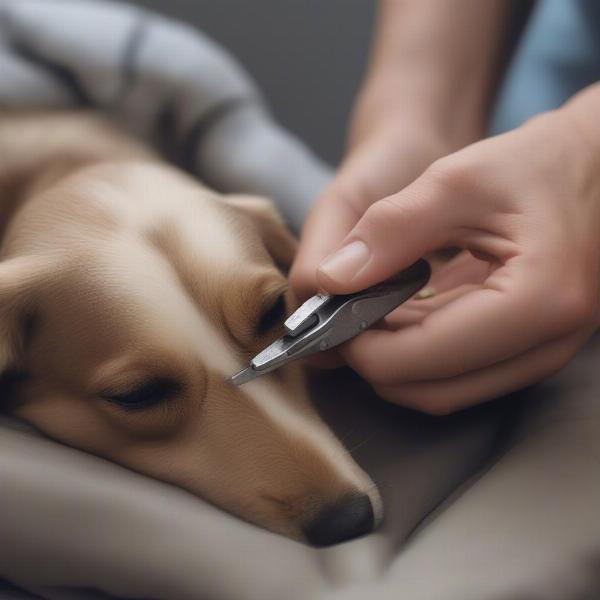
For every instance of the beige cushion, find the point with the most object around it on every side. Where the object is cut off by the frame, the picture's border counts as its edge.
(526, 527)
(71, 522)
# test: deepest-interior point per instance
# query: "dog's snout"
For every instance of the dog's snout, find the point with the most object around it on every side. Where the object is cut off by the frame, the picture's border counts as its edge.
(350, 517)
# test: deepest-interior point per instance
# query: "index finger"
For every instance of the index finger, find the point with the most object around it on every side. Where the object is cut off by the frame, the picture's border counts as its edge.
(476, 330)
(328, 223)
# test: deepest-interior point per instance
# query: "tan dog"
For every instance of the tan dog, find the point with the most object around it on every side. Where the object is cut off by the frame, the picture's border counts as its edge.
(128, 293)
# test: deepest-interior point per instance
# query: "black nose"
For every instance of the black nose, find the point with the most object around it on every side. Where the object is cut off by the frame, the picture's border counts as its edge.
(351, 517)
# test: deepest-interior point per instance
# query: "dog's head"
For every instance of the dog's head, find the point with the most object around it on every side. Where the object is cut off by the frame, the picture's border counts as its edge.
(127, 296)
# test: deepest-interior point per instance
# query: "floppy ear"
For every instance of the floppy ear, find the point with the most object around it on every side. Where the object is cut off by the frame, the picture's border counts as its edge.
(278, 239)
(17, 278)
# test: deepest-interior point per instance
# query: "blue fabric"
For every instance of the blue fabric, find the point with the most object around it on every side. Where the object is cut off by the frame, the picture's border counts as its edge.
(558, 55)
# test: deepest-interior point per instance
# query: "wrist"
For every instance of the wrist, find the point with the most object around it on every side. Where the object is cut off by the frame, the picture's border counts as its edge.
(396, 104)
(404, 126)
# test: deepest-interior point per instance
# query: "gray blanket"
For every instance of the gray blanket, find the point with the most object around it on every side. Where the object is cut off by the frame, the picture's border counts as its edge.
(164, 81)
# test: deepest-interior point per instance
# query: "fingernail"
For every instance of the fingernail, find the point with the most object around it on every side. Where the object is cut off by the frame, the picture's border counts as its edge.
(426, 292)
(344, 264)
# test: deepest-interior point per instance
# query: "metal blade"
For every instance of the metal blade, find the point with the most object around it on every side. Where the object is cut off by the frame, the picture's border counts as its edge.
(324, 321)
(244, 376)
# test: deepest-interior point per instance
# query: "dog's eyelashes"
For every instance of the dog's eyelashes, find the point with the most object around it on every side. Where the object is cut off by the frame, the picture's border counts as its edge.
(273, 316)
(145, 395)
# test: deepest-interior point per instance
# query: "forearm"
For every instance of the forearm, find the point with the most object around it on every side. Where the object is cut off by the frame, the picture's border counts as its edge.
(434, 62)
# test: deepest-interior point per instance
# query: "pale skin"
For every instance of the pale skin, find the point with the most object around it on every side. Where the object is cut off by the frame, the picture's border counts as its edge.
(521, 298)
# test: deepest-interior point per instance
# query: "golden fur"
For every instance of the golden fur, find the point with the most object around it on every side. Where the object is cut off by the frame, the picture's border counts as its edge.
(117, 269)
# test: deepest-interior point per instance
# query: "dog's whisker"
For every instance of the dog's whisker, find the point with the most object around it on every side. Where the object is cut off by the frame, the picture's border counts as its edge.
(361, 443)
(348, 433)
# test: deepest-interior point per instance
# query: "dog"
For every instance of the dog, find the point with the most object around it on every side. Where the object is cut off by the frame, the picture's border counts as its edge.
(129, 292)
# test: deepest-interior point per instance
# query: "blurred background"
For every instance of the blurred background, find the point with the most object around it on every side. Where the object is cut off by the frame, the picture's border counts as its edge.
(307, 56)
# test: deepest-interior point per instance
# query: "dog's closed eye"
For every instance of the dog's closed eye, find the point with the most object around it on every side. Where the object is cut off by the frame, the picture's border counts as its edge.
(274, 315)
(144, 395)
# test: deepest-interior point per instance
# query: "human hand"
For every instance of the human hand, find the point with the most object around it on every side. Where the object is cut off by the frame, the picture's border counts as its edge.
(527, 205)
(382, 159)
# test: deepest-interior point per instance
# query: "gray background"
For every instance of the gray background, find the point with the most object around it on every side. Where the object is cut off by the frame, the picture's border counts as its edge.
(307, 56)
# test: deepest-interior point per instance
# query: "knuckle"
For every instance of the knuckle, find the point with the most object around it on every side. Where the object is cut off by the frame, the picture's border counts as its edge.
(373, 371)
(455, 173)
(385, 216)
(382, 213)
(365, 363)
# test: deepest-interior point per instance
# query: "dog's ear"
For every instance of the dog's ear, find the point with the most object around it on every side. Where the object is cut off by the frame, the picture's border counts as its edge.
(18, 278)
(278, 239)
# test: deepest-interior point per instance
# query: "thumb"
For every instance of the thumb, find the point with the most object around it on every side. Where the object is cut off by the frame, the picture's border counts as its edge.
(392, 234)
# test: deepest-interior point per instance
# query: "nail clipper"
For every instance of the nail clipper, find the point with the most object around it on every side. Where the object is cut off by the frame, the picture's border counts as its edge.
(325, 321)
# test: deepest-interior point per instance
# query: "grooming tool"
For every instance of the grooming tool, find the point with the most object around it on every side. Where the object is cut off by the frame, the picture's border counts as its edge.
(325, 321)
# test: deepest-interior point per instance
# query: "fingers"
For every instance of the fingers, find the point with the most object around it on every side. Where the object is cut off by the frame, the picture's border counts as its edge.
(460, 276)
(414, 311)
(488, 331)
(392, 234)
(506, 317)
(449, 287)
(447, 206)
(330, 359)
(328, 223)
(383, 163)
(445, 396)
(410, 313)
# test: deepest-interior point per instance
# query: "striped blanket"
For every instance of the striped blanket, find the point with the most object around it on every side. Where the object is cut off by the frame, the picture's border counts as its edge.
(163, 80)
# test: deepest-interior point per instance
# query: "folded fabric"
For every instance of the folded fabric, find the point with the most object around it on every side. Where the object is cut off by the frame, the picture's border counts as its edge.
(165, 81)
(74, 526)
